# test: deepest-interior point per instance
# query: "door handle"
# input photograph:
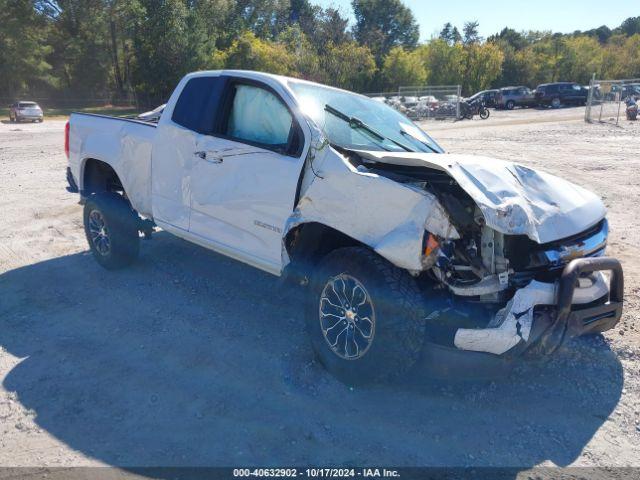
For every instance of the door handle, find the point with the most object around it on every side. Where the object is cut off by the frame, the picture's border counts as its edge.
(202, 154)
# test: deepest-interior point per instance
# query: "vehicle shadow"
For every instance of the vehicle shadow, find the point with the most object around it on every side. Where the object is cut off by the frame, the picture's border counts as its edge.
(191, 359)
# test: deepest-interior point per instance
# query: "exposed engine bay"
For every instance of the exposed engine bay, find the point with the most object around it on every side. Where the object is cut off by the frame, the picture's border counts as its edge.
(489, 285)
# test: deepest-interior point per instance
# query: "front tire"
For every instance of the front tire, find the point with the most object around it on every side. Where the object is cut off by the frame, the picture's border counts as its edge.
(111, 227)
(365, 317)
(510, 105)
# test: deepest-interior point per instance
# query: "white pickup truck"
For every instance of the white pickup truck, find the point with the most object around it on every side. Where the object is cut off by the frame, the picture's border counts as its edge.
(403, 249)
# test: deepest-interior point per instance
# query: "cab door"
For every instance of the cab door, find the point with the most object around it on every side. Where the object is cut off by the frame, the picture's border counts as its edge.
(187, 118)
(245, 176)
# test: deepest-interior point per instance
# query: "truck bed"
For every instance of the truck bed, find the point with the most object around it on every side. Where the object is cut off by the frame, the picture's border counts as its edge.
(124, 143)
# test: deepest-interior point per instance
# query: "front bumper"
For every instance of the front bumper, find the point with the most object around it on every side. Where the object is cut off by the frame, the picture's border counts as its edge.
(543, 315)
(597, 318)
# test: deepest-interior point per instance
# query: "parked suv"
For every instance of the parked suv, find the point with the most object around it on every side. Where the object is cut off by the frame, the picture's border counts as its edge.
(25, 111)
(556, 94)
(623, 91)
(511, 97)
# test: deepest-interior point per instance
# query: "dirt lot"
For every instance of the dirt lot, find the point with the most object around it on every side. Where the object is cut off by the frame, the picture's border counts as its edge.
(188, 358)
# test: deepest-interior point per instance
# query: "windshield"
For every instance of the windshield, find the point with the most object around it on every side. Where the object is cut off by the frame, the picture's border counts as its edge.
(393, 131)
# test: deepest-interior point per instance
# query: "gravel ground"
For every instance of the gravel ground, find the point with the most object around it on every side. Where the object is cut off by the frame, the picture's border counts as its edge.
(189, 358)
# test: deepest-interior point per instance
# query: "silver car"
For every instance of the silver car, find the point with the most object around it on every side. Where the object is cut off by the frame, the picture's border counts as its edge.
(29, 111)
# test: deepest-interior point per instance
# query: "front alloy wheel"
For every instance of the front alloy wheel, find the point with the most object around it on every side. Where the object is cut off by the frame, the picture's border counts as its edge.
(347, 317)
(365, 316)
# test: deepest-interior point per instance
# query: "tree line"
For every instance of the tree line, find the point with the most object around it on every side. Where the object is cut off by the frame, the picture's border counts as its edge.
(122, 48)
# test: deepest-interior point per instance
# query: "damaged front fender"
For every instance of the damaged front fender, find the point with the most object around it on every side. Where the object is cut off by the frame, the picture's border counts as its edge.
(388, 216)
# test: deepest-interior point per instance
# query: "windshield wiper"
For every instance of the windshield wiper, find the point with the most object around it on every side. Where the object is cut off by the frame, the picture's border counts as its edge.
(358, 124)
(407, 134)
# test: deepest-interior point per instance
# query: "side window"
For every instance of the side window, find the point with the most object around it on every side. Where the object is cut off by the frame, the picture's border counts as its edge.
(258, 116)
(198, 103)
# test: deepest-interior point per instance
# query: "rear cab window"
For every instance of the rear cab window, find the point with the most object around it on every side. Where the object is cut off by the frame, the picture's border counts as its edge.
(198, 104)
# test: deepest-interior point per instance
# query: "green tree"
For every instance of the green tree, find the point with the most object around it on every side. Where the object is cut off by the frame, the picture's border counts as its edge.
(161, 42)
(583, 56)
(402, 68)
(249, 52)
(305, 62)
(470, 33)
(455, 35)
(446, 33)
(81, 59)
(442, 62)
(348, 65)
(631, 26)
(265, 18)
(331, 28)
(508, 36)
(384, 24)
(483, 62)
(23, 49)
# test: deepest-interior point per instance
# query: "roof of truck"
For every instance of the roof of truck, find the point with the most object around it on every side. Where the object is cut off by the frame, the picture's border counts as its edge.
(252, 74)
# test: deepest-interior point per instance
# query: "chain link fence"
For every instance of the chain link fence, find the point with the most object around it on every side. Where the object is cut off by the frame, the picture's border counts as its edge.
(440, 102)
(63, 101)
(606, 100)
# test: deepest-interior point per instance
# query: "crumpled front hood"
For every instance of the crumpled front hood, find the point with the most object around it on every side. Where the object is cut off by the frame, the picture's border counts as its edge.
(514, 199)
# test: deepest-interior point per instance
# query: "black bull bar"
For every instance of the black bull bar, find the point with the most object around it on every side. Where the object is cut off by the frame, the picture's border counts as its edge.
(573, 320)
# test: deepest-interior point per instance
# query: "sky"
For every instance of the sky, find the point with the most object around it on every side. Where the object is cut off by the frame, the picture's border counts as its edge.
(563, 16)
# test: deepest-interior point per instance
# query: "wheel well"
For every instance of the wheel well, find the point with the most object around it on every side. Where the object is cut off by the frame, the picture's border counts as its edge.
(308, 243)
(100, 177)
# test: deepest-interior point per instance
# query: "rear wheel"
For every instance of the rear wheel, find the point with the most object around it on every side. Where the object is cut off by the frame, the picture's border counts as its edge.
(111, 227)
(510, 105)
(365, 316)
(484, 113)
(556, 103)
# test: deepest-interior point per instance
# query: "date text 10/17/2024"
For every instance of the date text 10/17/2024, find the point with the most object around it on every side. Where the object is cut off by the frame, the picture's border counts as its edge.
(316, 472)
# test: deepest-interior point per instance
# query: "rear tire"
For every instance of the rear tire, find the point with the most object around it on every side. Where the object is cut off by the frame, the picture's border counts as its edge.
(381, 336)
(111, 227)
(556, 103)
(484, 113)
(510, 105)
